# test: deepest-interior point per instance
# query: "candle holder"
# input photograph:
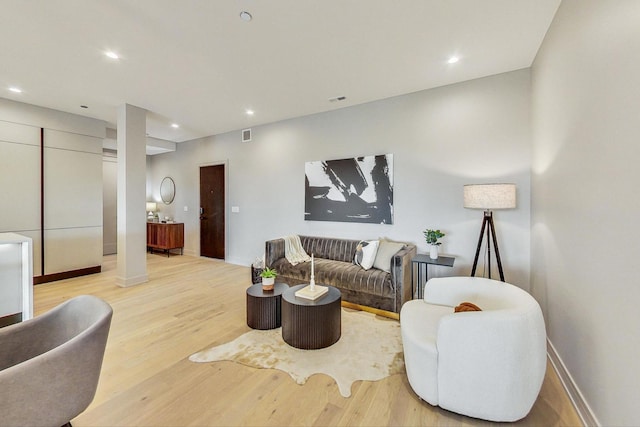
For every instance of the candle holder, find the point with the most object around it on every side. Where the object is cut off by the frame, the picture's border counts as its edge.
(313, 291)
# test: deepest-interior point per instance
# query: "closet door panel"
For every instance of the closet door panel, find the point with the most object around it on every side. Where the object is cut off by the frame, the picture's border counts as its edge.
(20, 178)
(72, 249)
(22, 134)
(72, 141)
(72, 189)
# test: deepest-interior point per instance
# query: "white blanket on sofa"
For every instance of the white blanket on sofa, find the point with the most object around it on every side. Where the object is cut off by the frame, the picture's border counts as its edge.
(293, 250)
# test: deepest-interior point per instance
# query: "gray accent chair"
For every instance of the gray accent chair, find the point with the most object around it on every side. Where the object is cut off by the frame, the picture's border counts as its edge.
(50, 365)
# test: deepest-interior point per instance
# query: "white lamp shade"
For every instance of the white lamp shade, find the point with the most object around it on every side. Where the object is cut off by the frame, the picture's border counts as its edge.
(490, 196)
(152, 206)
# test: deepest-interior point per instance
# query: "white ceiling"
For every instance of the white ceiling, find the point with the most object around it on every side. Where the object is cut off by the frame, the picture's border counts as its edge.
(196, 63)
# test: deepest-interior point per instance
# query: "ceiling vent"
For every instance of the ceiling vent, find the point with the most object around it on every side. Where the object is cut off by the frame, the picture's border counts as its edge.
(246, 135)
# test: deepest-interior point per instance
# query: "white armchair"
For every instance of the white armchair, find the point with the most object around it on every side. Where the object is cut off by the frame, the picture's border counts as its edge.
(486, 364)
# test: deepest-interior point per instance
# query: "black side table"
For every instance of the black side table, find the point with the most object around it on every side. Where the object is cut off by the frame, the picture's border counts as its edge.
(264, 308)
(308, 324)
(424, 260)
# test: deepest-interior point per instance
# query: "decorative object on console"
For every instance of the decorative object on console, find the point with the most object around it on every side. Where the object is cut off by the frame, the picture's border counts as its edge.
(268, 278)
(152, 208)
(432, 236)
(489, 197)
(358, 189)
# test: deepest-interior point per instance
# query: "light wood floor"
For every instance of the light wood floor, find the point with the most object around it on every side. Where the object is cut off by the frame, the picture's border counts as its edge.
(190, 304)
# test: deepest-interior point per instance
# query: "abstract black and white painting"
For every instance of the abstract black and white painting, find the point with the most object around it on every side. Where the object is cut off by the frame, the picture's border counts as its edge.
(358, 189)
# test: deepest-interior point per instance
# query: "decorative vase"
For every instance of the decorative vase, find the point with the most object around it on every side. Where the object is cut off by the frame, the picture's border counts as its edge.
(433, 254)
(267, 283)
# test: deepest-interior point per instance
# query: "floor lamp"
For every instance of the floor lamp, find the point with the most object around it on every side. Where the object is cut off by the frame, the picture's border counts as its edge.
(489, 197)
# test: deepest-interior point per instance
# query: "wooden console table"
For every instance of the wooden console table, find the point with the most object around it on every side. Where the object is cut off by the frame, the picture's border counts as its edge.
(165, 236)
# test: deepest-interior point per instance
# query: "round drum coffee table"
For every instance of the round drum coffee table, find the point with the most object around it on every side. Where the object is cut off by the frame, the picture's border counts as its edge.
(308, 324)
(264, 307)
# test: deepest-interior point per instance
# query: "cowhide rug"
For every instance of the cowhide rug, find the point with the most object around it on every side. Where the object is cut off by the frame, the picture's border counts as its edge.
(369, 349)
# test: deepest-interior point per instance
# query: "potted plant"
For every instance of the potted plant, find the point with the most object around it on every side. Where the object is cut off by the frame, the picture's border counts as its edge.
(432, 237)
(268, 278)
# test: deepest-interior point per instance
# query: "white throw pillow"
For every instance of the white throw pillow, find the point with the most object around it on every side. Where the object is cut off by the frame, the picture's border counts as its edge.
(366, 253)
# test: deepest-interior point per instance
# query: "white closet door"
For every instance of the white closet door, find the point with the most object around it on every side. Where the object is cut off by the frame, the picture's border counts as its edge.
(20, 177)
(72, 201)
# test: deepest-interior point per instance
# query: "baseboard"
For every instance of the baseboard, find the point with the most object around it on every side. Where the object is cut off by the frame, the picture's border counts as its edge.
(125, 282)
(10, 319)
(46, 278)
(582, 407)
(236, 261)
(109, 248)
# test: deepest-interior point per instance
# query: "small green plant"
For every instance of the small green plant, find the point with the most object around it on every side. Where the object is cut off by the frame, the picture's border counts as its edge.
(268, 273)
(432, 236)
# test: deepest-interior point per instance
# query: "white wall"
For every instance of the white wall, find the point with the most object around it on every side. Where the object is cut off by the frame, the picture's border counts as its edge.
(585, 232)
(441, 139)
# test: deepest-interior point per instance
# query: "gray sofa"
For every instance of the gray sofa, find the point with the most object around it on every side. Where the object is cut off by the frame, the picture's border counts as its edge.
(333, 259)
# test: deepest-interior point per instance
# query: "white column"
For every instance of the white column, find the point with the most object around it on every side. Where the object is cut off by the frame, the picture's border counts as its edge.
(132, 222)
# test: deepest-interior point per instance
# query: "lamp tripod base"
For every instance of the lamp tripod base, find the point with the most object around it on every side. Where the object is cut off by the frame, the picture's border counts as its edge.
(487, 223)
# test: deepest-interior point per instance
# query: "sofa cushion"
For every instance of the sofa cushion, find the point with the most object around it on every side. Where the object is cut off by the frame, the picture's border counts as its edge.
(329, 248)
(366, 253)
(386, 250)
(342, 275)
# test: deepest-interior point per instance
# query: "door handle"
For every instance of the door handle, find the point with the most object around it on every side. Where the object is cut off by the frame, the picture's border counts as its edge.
(201, 210)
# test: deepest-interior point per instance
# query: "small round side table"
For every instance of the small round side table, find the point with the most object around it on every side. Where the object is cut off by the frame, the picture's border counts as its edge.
(308, 324)
(264, 307)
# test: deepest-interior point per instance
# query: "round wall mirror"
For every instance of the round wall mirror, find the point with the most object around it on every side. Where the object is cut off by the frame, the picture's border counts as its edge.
(167, 190)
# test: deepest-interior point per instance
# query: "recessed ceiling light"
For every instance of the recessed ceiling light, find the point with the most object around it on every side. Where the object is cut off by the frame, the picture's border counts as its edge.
(111, 54)
(175, 125)
(15, 89)
(453, 60)
(245, 16)
(249, 112)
